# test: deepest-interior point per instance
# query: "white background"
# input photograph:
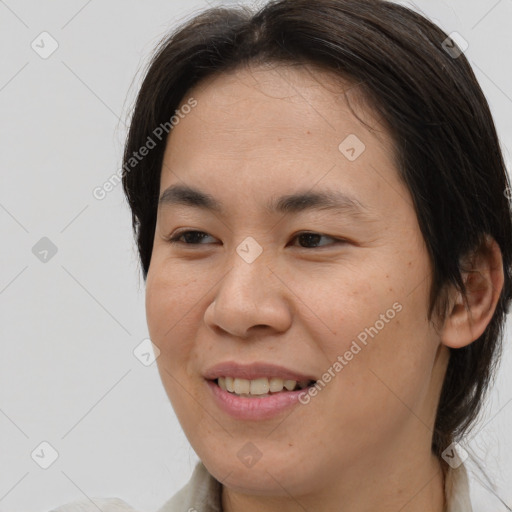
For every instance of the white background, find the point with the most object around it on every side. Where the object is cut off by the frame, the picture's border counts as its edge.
(68, 375)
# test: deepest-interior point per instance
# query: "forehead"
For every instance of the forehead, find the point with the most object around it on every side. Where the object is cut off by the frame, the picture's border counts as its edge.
(276, 127)
(282, 97)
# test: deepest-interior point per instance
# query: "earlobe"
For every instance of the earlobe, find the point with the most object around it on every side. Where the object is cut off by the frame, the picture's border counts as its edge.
(483, 277)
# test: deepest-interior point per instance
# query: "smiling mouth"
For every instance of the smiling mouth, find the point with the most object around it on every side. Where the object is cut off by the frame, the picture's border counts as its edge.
(262, 387)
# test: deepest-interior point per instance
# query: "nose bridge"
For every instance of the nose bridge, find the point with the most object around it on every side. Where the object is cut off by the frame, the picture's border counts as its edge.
(249, 294)
(250, 275)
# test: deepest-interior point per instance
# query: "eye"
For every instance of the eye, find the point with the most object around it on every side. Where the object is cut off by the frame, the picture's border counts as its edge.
(307, 239)
(310, 239)
(190, 239)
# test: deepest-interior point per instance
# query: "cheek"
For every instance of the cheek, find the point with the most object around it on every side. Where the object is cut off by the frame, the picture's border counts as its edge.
(376, 317)
(170, 312)
(345, 301)
(386, 361)
(172, 322)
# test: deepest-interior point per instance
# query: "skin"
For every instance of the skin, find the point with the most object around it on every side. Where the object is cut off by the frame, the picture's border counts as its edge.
(363, 443)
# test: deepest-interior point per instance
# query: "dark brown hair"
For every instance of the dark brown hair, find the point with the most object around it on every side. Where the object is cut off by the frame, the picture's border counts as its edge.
(447, 149)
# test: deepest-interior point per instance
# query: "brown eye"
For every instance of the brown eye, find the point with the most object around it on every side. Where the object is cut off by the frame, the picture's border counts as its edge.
(191, 237)
(311, 240)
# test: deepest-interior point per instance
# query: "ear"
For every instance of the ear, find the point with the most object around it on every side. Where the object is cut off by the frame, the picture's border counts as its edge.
(483, 277)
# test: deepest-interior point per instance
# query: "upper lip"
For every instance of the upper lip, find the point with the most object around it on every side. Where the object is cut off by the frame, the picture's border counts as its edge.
(253, 371)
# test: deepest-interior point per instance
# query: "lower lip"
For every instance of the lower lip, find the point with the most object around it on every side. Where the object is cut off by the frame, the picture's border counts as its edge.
(254, 408)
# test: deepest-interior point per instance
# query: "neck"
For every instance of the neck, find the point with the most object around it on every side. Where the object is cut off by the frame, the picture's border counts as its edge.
(414, 485)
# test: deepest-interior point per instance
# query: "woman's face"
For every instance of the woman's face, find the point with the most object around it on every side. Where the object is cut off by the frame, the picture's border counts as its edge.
(254, 300)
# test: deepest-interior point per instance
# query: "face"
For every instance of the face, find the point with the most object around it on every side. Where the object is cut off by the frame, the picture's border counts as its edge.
(268, 289)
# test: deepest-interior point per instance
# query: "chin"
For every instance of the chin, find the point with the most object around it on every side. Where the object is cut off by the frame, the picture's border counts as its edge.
(264, 478)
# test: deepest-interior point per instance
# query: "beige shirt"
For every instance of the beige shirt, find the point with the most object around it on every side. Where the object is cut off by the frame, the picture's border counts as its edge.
(202, 493)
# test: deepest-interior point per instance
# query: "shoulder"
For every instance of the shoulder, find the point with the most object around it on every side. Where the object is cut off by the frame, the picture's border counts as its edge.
(95, 504)
(202, 492)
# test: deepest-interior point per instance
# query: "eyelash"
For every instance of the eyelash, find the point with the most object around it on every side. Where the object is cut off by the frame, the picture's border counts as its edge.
(176, 238)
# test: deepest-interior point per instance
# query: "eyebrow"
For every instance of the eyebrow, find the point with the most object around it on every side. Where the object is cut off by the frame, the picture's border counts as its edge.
(288, 204)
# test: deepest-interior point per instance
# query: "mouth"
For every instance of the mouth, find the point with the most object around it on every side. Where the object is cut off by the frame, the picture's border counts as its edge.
(257, 391)
(260, 388)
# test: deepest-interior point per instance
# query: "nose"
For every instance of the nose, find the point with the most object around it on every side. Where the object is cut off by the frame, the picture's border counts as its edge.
(251, 298)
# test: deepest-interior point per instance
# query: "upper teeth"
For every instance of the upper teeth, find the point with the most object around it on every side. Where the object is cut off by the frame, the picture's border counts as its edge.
(258, 386)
